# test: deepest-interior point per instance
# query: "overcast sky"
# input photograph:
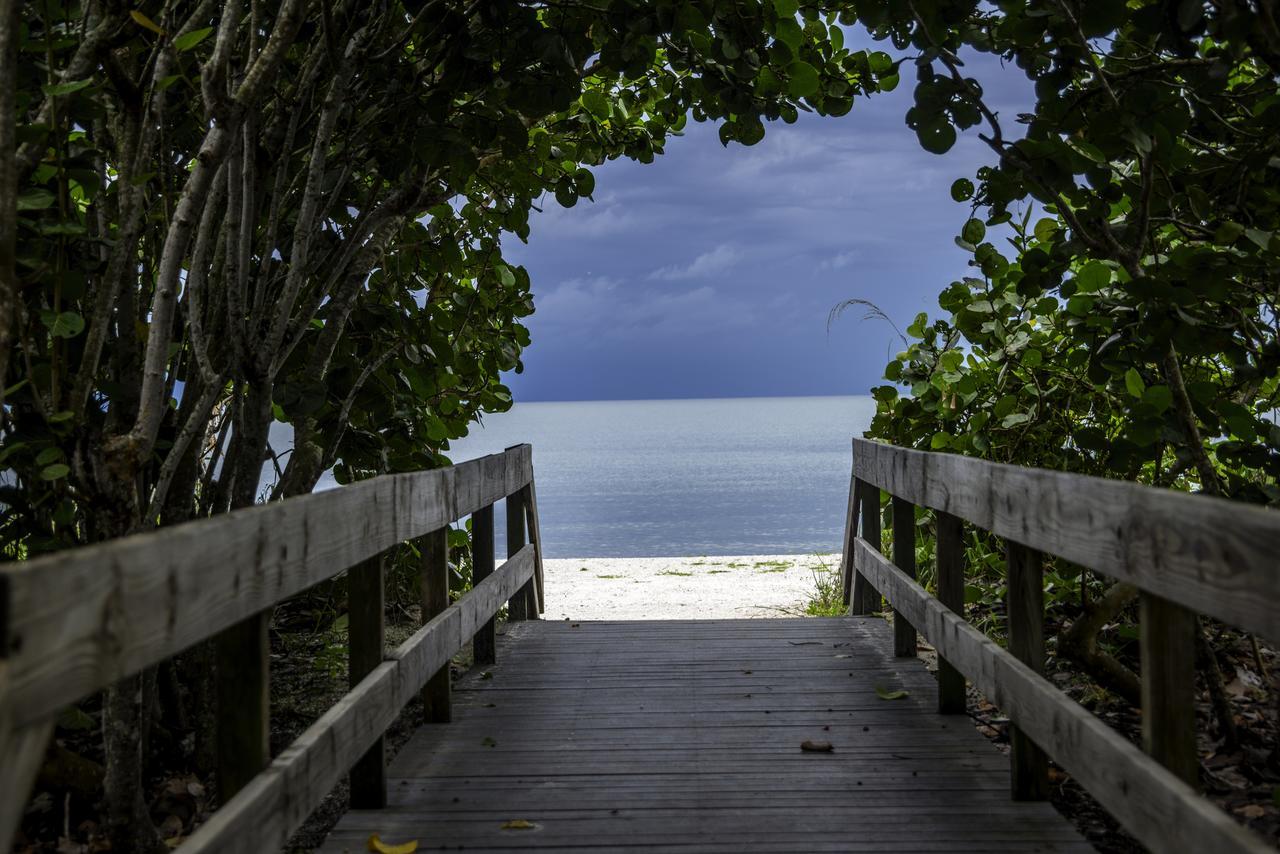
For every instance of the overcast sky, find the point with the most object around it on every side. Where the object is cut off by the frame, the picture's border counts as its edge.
(711, 271)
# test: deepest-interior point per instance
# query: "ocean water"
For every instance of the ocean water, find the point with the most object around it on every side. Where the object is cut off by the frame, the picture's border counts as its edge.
(653, 478)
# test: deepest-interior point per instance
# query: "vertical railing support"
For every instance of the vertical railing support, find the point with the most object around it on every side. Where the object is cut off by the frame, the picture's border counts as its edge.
(1030, 765)
(535, 537)
(437, 698)
(243, 747)
(950, 578)
(904, 557)
(366, 626)
(847, 571)
(1168, 638)
(518, 606)
(23, 749)
(485, 645)
(866, 599)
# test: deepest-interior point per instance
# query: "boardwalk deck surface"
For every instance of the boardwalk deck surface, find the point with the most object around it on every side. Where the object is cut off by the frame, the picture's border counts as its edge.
(685, 735)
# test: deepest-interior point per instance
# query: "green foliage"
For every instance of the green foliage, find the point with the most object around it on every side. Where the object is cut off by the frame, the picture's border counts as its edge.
(1129, 331)
(298, 215)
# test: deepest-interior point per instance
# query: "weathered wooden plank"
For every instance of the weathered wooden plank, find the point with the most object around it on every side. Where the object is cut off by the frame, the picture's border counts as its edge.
(1029, 766)
(866, 599)
(437, 695)
(1136, 789)
(367, 638)
(80, 620)
(242, 677)
(22, 751)
(1208, 554)
(535, 537)
(676, 760)
(263, 815)
(850, 534)
(482, 560)
(519, 606)
(1168, 669)
(904, 557)
(950, 580)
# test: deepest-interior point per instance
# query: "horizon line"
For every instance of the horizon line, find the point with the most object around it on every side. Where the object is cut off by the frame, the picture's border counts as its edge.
(688, 397)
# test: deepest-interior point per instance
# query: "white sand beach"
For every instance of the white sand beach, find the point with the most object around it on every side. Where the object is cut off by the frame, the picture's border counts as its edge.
(661, 588)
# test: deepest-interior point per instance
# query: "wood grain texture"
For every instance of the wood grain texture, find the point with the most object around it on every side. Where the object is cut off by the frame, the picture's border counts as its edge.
(700, 751)
(1168, 670)
(866, 599)
(243, 701)
(434, 547)
(264, 814)
(535, 537)
(950, 579)
(1154, 805)
(1210, 555)
(367, 638)
(846, 551)
(904, 557)
(22, 751)
(1029, 766)
(482, 561)
(519, 606)
(78, 621)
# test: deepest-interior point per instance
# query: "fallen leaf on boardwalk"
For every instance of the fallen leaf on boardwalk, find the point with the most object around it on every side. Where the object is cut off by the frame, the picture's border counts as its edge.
(377, 846)
(488, 742)
(842, 656)
(486, 675)
(518, 824)
(805, 643)
(1251, 811)
(816, 746)
(885, 694)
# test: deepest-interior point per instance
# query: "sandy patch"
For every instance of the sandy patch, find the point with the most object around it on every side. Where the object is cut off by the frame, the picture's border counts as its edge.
(662, 588)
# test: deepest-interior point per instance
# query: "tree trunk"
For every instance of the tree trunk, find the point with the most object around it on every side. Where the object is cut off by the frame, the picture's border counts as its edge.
(8, 182)
(129, 825)
(1079, 643)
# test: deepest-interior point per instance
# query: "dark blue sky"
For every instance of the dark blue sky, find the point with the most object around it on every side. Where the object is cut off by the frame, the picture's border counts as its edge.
(711, 271)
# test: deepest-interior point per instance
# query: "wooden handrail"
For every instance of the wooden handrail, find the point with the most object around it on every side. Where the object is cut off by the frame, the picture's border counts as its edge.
(1209, 555)
(74, 622)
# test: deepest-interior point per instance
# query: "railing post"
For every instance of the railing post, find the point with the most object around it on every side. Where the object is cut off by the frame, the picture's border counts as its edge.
(847, 572)
(904, 557)
(866, 599)
(485, 645)
(365, 651)
(1168, 639)
(23, 750)
(535, 537)
(950, 577)
(243, 746)
(518, 607)
(437, 697)
(1030, 765)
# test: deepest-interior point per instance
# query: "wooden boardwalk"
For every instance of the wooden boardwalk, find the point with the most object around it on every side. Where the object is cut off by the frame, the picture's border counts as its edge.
(685, 735)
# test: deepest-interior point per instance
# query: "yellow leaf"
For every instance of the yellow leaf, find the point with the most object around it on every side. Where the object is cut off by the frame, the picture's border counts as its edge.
(518, 824)
(145, 22)
(377, 846)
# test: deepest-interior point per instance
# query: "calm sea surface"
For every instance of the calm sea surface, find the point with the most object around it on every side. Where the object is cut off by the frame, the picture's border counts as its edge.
(651, 478)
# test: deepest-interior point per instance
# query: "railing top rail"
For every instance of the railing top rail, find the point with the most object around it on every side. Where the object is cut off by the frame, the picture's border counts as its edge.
(1216, 557)
(74, 622)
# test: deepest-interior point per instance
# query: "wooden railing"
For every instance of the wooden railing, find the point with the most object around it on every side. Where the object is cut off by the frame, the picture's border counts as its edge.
(1187, 555)
(74, 623)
